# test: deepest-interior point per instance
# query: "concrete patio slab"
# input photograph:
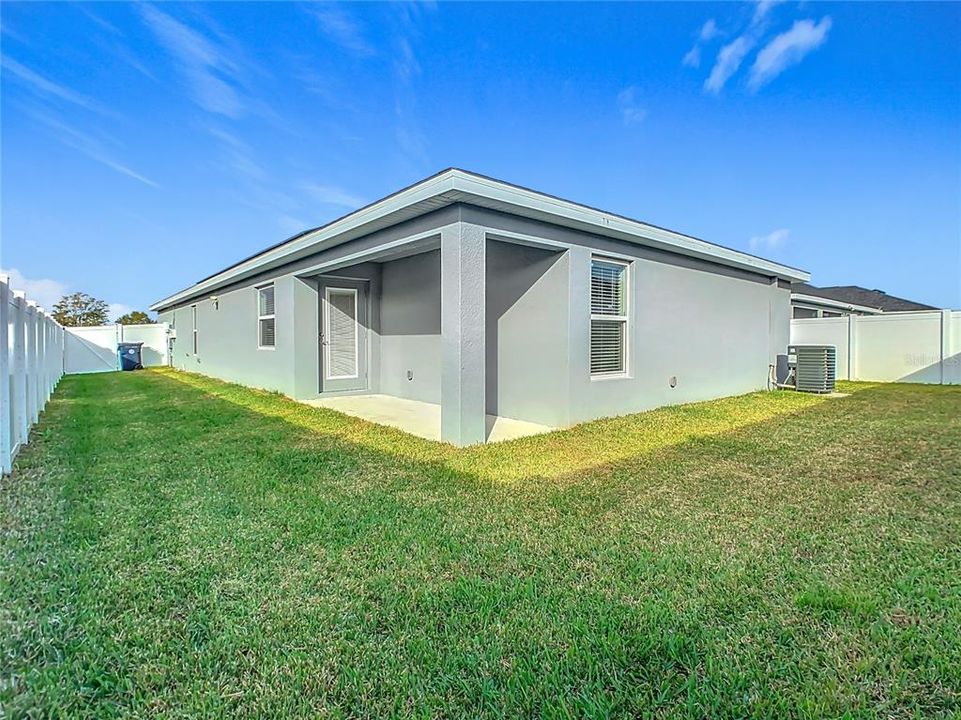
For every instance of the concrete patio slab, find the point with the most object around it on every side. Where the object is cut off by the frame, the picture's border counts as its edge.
(420, 418)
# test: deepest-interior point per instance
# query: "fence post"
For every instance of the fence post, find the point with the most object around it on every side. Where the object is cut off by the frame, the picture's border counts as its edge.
(41, 320)
(852, 347)
(6, 411)
(946, 375)
(30, 317)
(19, 398)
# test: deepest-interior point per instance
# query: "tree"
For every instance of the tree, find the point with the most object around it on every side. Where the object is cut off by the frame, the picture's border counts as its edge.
(134, 317)
(80, 309)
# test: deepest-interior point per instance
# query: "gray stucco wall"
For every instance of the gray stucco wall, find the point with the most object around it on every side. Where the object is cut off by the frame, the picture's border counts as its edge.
(715, 329)
(527, 364)
(711, 332)
(227, 338)
(410, 327)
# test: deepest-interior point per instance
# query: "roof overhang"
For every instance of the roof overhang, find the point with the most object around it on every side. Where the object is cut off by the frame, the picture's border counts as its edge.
(824, 302)
(457, 186)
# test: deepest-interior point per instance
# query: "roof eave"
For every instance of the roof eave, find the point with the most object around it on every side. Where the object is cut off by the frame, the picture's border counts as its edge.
(835, 304)
(513, 197)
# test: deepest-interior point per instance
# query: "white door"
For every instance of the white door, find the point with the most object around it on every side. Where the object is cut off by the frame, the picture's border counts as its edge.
(343, 336)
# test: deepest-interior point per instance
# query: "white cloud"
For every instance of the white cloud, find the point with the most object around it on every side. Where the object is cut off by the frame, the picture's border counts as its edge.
(787, 49)
(342, 29)
(630, 107)
(772, 241)
(45, 292)
(709, 31)
(729, 59)
(115, 310)
(331, 195)
(210, 71)
(42, 86)
(693, 57)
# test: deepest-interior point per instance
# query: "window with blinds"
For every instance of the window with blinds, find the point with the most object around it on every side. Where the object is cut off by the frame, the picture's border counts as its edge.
(265, 317)
(193, 320)
(609, 313)
(341, 333)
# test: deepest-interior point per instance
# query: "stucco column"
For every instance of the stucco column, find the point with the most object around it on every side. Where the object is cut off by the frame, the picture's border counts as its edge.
(579, 333)
(463, 271)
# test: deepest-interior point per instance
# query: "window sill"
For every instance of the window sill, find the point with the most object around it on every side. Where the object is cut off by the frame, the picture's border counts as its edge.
(611, 376)
(266, 348)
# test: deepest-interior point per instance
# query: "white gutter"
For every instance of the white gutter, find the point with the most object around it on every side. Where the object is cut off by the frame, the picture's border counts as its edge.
(520, 199)
(833, 304)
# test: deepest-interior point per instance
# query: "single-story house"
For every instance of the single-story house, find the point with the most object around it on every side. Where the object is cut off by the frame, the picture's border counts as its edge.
(486, 299)
(809, 301)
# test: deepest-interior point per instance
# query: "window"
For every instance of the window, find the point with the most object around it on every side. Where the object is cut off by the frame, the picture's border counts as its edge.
(265, 317)
(608, 317)
(193, 318)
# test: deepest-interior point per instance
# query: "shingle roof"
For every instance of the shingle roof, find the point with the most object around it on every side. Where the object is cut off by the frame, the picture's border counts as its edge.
(857, 295)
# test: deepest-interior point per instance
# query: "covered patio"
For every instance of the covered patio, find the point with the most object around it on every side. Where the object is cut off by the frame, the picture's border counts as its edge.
(452, 334)
(420, 418)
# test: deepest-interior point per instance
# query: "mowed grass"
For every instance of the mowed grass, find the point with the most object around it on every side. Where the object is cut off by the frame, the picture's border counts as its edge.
(174, 546)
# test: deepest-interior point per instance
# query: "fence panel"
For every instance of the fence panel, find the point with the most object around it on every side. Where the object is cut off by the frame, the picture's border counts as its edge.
(917, 347)
(31, 365)
(94, 349)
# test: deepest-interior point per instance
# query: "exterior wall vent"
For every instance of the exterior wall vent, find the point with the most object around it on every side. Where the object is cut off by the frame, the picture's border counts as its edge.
(815, 367)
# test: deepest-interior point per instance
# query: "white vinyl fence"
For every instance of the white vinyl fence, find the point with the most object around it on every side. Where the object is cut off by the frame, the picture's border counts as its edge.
(94, 349)
(31, 365)
(917, 347)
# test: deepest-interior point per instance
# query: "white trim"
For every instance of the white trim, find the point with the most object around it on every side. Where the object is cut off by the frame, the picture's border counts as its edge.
(455, 186)
(327, 294)
(361, 255)
(625, 319)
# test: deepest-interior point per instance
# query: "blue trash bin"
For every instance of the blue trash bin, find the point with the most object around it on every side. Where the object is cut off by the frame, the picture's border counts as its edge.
(130, 355)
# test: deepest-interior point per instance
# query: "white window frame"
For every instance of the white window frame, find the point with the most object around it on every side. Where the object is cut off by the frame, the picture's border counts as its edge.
(193, 317)
(624, 319)
(273, 316)
(327, 294)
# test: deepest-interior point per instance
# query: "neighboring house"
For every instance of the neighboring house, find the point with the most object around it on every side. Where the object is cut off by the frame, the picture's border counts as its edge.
(808, 301)
(488, 298)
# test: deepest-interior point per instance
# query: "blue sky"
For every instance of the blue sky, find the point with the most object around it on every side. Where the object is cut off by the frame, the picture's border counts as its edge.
(147, 146)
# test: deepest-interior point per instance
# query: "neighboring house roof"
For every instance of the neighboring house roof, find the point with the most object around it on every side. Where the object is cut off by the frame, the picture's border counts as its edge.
(858, 296)
(459, 186)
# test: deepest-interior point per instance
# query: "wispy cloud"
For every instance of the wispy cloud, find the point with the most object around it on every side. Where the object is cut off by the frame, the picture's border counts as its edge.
(91, 147)
(709, 31)
(291, 226)
(763, 9)
(238, 153)
(44, 87)
(729, 59)
(731, 55)
(692, 58)
(410, 140)
(630, 107)
(43, 291)
(787, 49)
(332, 195)
(342, 28)
(211, 72)
(772, 241)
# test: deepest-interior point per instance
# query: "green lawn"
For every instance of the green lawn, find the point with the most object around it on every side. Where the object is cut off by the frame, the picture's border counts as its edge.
(175, 546)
